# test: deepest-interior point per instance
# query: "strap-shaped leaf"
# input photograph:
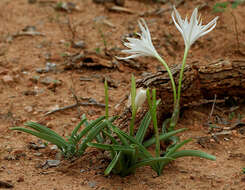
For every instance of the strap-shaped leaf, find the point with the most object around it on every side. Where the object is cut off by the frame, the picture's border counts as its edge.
(113, 140)
(176, 147)
(115, 130)
(74, 132)
(112, 164)
(49, 138)
(148, 162)
(92, 134)
(42, 129)
(143, 127)
(162, 137)
(90, 126)
(134, 141)
(196, 153)
(109, 147)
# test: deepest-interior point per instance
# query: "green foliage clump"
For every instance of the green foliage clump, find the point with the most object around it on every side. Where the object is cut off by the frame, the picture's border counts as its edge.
(221, 7)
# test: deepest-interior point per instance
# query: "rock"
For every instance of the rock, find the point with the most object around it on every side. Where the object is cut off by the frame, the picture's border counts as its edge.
(92, 184)
(54, 147)
(73, 119)
(8, 79)
(50, 66)
(82, 170)
(37, 154)
(66, 6)
(34, 146)
(50, 163)
(41, 70)
(79, 44)
(47, 80)
(28, 109)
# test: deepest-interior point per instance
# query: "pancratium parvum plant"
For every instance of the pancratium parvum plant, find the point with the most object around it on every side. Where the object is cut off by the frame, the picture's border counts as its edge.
(128, 151)
(190, 30)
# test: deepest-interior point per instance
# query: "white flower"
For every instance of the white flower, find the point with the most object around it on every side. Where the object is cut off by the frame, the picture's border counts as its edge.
(142, 46)
(192, 30)
(139, 98)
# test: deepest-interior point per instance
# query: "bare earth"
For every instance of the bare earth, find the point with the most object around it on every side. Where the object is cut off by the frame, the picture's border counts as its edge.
(29, 89)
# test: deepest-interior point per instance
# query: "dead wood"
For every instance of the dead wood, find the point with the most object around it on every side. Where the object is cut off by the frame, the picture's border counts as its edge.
(201, 82)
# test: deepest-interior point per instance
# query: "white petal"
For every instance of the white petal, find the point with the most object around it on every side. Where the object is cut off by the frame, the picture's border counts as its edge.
(192, 30)
(140, 47)
(129, 57)
(212, 24)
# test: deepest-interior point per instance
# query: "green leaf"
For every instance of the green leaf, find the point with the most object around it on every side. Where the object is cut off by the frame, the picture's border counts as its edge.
(50, 138)
(149, 162)
(165, 125)
(115, 130)
(99, 138)
(92, 133)
(196, 153)
(235, 3)
(90, 126)
(112, 164)
(134, 141)
(220, 7)
(108, 147)
(42, 129)
(74, 132)
(100, 146)
(143, 127)
(113, 140)
(176, 147)
(162, 137)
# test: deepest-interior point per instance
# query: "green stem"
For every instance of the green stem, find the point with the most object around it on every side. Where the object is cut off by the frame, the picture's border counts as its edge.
(106, 100)
(154, 118)
(181, 75)
(175, 115)
(170, 76)
(133, 106)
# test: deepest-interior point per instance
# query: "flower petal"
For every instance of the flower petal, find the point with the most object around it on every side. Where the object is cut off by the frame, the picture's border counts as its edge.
(192, 30)
(140, 47)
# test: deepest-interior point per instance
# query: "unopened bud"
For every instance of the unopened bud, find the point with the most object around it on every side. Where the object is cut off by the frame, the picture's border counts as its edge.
(139, 99)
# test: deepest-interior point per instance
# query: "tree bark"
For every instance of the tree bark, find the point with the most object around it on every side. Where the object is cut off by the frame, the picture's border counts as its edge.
(201, 82)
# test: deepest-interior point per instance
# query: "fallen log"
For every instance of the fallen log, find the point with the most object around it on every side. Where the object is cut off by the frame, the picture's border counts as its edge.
(201, 82)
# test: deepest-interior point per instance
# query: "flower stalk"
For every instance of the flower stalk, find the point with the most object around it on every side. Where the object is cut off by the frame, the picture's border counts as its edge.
(181, 74)
(153, 109)
(133, 106)
(170, 76)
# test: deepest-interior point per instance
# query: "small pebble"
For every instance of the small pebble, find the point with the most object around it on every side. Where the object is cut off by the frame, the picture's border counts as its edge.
(37, 154)
(54, 147)
(73, 119)
(8, 79)
(50, 163)
(28, 109)
(79, 44)
(92, 184)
